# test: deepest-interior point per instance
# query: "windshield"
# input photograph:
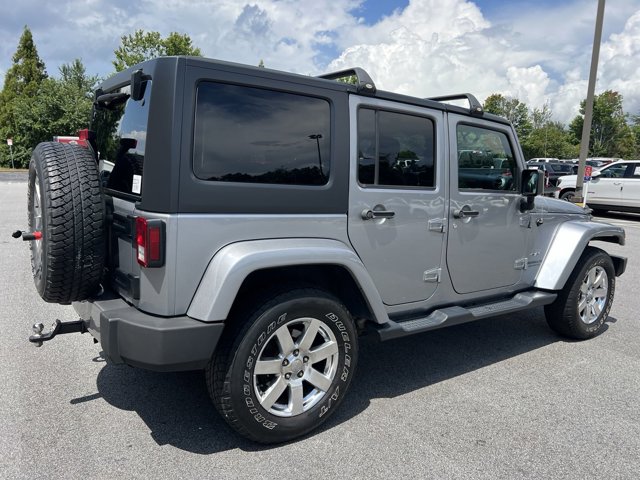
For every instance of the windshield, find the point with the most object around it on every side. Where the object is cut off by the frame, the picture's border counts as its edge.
(121, 132)
(562, 168)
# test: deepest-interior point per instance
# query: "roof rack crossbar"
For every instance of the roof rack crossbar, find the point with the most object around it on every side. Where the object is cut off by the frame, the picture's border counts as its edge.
(364, 82)
(475, 107)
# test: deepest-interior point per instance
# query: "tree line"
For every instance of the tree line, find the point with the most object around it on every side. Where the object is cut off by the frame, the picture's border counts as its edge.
(34, 107)
(614, 133)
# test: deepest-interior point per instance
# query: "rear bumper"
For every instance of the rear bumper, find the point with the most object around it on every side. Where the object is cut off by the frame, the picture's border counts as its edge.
(165, 344)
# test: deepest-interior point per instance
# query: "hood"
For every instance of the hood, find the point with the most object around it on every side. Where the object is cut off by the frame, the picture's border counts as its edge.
(553, 205)
(569, 179)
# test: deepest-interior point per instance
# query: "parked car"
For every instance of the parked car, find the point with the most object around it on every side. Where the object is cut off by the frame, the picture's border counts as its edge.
(553, 171)
(614, 187)
(255, 222)
(543, 160)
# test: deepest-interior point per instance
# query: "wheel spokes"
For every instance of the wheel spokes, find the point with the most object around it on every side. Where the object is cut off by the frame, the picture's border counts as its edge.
(600, 293)
(296, 400)
(318, 380)
(323, 352)
(284, 376)
(582, 304)
(268, 367)
(273, 393)
(284, 339)
(309, 335)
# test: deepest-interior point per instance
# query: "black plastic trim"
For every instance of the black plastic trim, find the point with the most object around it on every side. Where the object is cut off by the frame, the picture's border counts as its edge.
(135, 338)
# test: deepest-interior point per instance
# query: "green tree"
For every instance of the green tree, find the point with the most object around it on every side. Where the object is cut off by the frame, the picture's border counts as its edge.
(550, 140)
(143, 46)
(611, 136)
(60, 106)
(69, 99)
(512, 109)
(22, 83)
(541, 117)
(635, 128)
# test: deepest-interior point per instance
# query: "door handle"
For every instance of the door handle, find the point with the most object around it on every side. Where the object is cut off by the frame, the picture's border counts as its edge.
(465, 212)
(617, 183)
(370, 214)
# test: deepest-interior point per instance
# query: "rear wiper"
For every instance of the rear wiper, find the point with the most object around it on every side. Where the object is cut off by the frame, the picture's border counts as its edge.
(108, 100)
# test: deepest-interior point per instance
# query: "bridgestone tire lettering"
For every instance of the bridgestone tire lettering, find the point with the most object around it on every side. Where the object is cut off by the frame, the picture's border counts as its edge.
(230, 374)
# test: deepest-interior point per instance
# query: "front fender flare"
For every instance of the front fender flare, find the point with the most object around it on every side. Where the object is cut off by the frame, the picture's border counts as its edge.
(567, 246)
(230, 266)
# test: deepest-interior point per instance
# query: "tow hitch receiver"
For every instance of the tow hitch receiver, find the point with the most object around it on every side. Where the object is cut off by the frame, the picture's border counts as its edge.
(58, 328)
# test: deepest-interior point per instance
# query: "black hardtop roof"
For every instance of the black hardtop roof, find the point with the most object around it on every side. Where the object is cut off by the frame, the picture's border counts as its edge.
(149, 66)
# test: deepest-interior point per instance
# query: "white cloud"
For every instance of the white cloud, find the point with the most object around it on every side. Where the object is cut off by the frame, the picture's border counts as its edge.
(538, 52)
(434, 47)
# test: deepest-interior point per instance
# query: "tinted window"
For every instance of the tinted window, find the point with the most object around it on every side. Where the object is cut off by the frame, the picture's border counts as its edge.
(615, 171)
(245, 134)
(121, 134)
(485, 159)
(395, 149)
(562, 168)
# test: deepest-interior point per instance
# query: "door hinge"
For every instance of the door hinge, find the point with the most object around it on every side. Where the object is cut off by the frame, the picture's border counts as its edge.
(525, 221)
(438, 225)
(521, 264)
(432, 276)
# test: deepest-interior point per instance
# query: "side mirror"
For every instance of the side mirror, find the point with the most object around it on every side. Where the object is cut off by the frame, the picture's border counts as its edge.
(138, 84)
(596, 173)
(532, 185)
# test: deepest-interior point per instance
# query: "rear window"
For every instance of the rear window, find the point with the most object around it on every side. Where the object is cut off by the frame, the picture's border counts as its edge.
(121, 133)
(255, 135)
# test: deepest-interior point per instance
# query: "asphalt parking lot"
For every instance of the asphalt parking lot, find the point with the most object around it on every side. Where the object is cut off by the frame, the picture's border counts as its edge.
(500, 398)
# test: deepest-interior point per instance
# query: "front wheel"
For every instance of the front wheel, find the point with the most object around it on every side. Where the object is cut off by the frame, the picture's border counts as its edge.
(283, 370)
(568, 195)
(583, 304)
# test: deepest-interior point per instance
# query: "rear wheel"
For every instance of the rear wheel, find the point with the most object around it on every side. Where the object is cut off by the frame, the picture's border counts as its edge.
(66, 206)
(583, 305)
(281, 371)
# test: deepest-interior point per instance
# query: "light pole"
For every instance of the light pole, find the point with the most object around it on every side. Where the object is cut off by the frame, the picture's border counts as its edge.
(588, 108)
(317, 138)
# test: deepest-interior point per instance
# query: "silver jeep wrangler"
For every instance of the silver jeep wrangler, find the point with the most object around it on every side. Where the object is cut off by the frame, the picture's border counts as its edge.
(252, 223)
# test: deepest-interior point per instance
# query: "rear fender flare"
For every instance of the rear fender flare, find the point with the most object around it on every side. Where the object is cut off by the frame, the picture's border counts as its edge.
(231, 265)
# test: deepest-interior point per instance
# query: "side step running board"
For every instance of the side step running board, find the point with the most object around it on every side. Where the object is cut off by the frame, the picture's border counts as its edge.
(445, 317)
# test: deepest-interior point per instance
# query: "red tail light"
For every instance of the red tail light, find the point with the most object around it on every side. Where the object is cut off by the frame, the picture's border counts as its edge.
(150, 242)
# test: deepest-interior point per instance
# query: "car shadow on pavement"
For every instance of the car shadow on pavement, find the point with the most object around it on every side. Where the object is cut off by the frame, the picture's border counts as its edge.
(177, 409)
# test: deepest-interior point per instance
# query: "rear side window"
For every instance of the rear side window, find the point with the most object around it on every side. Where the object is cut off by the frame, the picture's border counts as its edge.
(121, 135)
(395, 149)
(254, 135)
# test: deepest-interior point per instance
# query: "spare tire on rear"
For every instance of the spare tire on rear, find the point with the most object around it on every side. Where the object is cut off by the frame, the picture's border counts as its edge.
(66, 206)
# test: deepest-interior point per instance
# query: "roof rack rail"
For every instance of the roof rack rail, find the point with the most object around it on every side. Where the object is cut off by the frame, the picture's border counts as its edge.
(475, 107)
(364, 83)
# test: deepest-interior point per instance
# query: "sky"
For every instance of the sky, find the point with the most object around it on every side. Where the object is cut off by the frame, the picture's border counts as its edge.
(537, 51)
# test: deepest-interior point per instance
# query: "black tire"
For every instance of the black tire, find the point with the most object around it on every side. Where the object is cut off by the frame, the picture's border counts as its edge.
(568, 195)
(66, 205)
(241, 394)
(566, 316)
